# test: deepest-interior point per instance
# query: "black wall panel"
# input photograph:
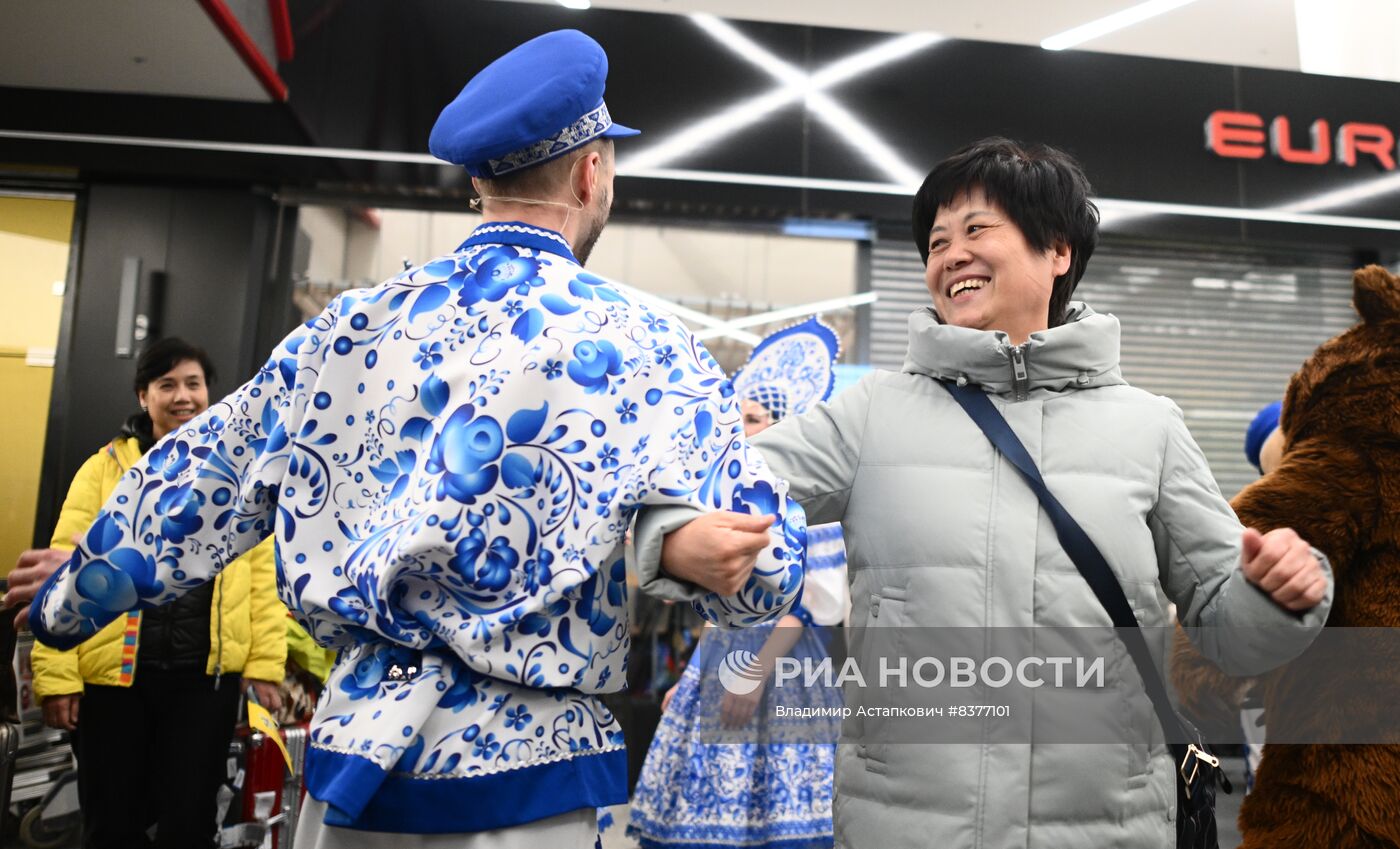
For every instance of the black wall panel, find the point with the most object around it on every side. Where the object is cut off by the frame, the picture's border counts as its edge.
(214, 246)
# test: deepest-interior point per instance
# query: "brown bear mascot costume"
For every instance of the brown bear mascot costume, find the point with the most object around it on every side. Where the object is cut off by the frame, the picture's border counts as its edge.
(1338, 486)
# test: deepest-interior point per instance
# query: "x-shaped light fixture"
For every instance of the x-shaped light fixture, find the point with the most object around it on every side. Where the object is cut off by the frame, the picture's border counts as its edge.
(793, 85)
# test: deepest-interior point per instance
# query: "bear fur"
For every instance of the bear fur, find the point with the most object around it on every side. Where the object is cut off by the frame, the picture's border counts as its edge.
(1338, 486)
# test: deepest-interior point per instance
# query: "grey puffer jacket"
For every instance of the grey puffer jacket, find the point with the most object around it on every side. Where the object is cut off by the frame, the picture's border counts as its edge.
(941, 531)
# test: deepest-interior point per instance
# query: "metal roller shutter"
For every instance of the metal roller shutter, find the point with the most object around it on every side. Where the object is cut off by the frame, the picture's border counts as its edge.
(1218, 330)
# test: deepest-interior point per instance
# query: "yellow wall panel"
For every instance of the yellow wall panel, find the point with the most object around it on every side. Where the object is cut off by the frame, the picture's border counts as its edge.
(23, 438)
(34, 243)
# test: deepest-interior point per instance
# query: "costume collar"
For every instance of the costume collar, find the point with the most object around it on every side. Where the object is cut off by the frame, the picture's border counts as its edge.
(521, 236)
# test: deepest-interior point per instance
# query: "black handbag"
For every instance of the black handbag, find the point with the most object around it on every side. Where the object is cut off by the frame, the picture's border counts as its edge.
(1197, 769)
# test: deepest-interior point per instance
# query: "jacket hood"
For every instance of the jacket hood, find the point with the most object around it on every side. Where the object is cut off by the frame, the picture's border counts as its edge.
(1079, 354)
(138, 426)
(1350, 386)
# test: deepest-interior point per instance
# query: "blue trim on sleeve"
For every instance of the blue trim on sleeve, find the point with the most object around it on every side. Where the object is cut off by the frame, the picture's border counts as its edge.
(61, 642)
(428, 804)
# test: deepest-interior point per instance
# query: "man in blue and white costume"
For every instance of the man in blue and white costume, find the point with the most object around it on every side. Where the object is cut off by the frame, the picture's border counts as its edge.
(449, 462)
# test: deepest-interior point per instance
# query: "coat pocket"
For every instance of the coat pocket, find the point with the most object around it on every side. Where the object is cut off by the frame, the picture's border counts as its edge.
(886, 612)
(887, 607)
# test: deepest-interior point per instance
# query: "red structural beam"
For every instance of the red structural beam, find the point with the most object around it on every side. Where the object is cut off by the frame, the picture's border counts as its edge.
(243, 45)
(281, 29)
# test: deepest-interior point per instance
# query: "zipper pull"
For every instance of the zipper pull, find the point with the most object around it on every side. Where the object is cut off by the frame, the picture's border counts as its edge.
(1020, 378)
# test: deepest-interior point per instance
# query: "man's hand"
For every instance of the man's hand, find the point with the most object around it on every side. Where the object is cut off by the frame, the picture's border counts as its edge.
(61, 712)
(269, 693)
(34, 567)
(717, 551)
(1281, 564)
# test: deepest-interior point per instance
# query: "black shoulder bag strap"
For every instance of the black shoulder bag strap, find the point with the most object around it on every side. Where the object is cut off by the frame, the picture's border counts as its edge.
(1187, 750)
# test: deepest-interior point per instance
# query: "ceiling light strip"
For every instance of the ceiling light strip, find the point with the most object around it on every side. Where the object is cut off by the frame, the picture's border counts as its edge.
(795, 84)
(1281, 215)
(773, 180)
(1112, 23)
(774, 316)
(730, 36)
(711, 129)
(1359, 193)
(859, 137)
(1115, 205)
(1278, 216)
(686, 314)
(229, 147)
(874, 57)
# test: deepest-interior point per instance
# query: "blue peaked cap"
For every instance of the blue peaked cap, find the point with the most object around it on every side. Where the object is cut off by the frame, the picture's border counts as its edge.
(537, 102)
(1265, 422)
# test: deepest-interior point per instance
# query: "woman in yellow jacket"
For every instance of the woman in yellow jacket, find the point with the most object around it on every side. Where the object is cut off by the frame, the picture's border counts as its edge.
(153, 698)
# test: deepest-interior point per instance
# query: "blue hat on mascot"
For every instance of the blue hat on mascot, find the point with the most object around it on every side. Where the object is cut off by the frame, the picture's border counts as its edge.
(537, 102)
(1265, 422)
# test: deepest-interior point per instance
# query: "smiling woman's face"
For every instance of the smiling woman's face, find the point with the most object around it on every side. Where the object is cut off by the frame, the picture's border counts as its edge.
(175, 397)
(983, 274)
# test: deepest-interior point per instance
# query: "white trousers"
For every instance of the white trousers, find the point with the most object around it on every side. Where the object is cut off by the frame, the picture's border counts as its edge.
(573, 830)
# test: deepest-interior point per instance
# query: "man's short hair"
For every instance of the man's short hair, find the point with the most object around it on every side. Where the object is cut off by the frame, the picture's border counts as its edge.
(547, 178)
(1043, 190)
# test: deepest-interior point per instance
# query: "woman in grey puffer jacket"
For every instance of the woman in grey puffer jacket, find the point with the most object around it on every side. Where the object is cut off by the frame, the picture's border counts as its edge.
(942, 532)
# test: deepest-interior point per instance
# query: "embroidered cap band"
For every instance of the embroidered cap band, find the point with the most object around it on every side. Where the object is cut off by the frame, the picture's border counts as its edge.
(596, 123)
(509, 116)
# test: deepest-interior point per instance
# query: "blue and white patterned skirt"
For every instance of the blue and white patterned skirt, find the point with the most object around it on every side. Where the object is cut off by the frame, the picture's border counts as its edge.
(695, 794)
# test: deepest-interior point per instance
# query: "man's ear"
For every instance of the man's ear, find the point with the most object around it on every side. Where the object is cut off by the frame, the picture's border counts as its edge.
(587, 176)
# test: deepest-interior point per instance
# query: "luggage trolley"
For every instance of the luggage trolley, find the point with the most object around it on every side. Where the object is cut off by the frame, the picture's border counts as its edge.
(40, 784)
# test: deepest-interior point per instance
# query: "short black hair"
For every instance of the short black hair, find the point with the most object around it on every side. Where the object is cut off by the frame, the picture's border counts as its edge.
(1042, 189)
(165, 354)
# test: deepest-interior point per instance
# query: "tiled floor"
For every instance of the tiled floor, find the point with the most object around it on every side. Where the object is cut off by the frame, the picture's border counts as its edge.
(1226, 811)
(1228, 808)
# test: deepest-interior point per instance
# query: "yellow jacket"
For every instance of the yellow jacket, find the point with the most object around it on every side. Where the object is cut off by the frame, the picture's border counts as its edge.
(249, 637)
(306, 653)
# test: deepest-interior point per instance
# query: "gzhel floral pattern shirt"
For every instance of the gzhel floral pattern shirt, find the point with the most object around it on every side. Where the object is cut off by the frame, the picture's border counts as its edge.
(449, 462)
